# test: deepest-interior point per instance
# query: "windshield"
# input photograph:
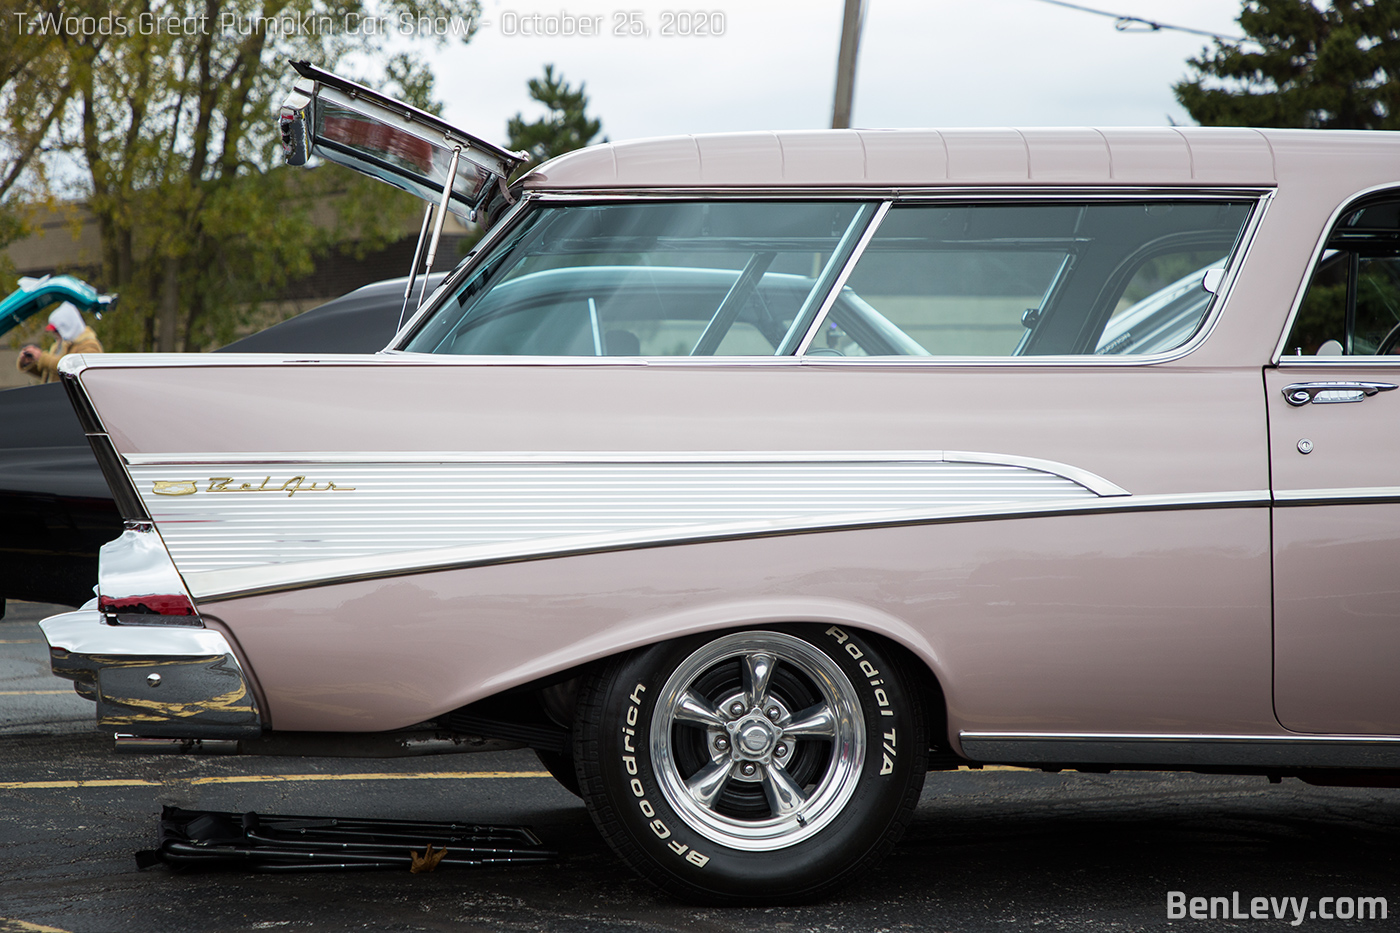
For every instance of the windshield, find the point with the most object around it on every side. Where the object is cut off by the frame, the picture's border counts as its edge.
(742, 278)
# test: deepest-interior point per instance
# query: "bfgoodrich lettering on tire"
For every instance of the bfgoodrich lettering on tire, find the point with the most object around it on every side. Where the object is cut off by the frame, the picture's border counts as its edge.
(761, 766)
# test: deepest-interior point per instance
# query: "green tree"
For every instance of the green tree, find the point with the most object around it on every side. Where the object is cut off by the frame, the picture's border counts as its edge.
(1336, 67)
(175, 131)
(36, 85)
(564, 128)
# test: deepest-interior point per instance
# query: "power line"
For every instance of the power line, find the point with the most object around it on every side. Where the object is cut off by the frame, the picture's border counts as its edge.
(1126, 23)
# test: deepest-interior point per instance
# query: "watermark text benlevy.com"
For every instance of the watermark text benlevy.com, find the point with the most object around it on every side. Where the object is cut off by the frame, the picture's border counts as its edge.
(1293, 909)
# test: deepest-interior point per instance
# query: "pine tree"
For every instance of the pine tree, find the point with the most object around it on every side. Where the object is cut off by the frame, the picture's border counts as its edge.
(1336, 67)
(565, 128)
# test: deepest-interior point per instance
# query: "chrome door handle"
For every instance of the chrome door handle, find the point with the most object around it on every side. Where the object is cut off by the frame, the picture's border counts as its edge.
(1329, 393)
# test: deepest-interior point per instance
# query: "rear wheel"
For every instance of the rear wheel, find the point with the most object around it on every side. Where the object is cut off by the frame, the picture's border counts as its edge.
(761, 766)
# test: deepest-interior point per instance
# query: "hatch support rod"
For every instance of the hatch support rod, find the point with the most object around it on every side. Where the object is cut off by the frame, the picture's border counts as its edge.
(437, 224)
(413, 267)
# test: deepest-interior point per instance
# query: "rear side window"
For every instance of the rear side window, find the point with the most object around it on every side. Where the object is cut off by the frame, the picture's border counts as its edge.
(741, 278)
(1022, 279)
(1352, 305)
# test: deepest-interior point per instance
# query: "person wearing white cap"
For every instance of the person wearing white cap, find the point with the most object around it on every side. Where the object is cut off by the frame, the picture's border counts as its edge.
(74, 336)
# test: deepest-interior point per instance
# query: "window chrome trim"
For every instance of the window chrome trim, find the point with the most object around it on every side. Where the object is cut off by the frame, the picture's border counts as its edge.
(400, 358)
(834, 292)
(877, 192)
(1262, 196)
(1237, 260)
(825, 280)
(1279, 357)
(456, 275)
(216, 586)
(1336, 362)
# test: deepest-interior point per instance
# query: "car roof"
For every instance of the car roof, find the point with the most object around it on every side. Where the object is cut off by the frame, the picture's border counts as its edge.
(1154, 156)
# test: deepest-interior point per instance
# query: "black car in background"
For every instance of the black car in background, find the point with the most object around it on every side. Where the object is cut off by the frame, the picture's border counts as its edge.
(55, 507)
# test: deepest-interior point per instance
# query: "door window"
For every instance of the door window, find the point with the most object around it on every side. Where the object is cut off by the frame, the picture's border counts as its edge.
(1352, 305)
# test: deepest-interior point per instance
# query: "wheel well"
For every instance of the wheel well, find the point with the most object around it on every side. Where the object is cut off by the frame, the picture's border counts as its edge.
(930, 693)
(557, 693)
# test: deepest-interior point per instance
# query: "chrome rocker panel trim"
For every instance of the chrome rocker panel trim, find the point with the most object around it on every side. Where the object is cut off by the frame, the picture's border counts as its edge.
(1184, 750)
(1337, 496)
(154, 680)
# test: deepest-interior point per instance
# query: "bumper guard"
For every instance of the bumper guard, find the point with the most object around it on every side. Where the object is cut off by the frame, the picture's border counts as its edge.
(154, 680)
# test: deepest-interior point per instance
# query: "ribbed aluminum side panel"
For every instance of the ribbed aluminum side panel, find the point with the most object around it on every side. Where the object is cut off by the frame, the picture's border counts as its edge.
(407, 507)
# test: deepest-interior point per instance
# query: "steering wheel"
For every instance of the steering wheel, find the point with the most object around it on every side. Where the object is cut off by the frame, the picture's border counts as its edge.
(1388, 342)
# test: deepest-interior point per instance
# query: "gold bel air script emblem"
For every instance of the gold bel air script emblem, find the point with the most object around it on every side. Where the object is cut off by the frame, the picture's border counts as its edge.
(165, 487)
(188, 487)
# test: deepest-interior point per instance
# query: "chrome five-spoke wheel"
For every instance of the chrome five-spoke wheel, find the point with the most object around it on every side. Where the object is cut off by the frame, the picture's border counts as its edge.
(757, 766)
(758, 740)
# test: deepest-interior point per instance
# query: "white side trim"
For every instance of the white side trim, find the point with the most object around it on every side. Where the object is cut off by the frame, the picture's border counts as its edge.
(225, 584)
(243, 523)
(218, 515)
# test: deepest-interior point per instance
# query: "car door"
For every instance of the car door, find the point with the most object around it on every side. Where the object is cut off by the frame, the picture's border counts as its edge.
(1334, 418)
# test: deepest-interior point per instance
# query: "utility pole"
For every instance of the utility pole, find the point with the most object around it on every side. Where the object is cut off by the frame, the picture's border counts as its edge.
(846, 64)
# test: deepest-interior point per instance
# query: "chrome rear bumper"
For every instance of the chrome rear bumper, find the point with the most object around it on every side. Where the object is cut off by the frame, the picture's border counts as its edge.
(154, 680)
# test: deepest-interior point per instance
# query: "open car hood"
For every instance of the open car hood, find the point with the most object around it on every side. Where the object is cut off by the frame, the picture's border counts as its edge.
(348, 123)
(33, 295)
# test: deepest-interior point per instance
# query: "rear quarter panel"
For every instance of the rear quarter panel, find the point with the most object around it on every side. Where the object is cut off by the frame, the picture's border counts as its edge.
(1140, 621)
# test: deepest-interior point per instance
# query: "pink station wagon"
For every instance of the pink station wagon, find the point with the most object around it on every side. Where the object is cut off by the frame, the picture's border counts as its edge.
(748, 477)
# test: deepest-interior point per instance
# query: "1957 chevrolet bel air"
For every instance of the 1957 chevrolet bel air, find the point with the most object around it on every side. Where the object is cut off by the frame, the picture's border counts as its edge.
(748, 477)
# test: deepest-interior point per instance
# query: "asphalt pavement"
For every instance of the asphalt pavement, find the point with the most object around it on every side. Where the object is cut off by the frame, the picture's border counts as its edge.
(992, 850)
(32, 699)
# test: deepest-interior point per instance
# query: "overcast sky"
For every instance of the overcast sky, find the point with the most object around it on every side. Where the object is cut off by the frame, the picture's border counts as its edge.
(922, 63)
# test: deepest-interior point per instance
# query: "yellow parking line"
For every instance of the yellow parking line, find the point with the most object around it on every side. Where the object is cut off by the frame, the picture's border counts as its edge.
(32, 693)
(276, 779)
(24, 926)
(49, 785)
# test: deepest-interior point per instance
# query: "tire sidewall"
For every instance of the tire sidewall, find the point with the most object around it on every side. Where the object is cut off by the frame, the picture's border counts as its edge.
(689, 860)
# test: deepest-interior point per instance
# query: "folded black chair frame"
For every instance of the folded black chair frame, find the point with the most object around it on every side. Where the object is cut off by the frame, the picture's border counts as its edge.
(259, 842)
